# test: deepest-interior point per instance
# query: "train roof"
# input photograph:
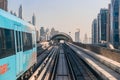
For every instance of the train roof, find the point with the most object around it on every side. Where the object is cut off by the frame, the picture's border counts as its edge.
(14, 18)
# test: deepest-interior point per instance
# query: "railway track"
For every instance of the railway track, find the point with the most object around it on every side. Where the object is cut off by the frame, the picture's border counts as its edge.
(42, 56)
(42, 70)
(77, 68)
(63, 63)
(69, 62)
(105, 68)
(69, 66)
(61, 71)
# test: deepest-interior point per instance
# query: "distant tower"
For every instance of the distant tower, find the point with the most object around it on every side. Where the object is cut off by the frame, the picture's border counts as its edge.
(77, 36)
(52, 32)
(94, 32)
(47, 33)
(42, 31)
(34, 20)
(86, 39)
(20, 12)
(4, 4)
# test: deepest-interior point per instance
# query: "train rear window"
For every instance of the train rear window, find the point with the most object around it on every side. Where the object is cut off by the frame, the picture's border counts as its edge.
(7, 43)
(27, 41)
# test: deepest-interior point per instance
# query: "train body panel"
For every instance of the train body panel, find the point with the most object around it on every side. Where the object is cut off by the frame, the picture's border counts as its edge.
(19, 40)
(8, 70)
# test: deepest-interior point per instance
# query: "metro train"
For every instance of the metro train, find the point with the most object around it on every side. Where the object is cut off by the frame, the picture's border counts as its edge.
(17, 46)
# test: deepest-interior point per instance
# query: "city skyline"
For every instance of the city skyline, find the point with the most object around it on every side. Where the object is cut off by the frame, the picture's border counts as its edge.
(56, 39)
(64, 16)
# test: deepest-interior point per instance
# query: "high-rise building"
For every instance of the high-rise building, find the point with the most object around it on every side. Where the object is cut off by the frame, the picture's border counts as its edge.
(77, 36)
(85, 39)
(115, 26)
(4, 4)
(52, 32)
(103, 25)
(47, 33)
(108, 23)
(94, 32)
(42, 33)
(98, 25)
(34, 20)
(20, 12)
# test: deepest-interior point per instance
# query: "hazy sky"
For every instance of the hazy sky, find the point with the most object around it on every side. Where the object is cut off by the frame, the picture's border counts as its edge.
(63, 15)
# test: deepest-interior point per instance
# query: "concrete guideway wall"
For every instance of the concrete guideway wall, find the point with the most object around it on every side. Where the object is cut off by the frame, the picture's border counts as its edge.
(112, 54)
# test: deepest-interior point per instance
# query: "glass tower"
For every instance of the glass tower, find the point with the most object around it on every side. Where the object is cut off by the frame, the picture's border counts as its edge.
(103, 25)
(115, 22)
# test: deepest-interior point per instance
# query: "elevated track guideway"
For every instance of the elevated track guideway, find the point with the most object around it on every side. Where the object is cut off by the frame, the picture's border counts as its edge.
(106, 68)
(69, 62)
(62, 71)
(62, 64)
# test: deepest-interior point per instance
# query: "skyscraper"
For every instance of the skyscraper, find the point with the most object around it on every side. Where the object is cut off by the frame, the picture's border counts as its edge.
(47, 33)
(85, 39)
(4, 4)
(77, 36)
(103, 25)
(108, 23)
(115, 18)
(20, 12)
(98, 25)
(94, 32)
(52, 32)
(34, 20)
(42, 31)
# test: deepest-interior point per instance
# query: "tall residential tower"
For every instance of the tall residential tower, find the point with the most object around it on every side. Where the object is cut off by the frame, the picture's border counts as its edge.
(77, 36)
(115, 26)
(103, 25)
(34, 20)
(94, 32)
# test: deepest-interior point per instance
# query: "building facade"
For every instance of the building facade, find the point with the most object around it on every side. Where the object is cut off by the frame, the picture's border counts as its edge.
(42, 34)
(20, 12)
(47, 34)
(4, 5)
(94, 32)
(103, 25)
(34, 20)
(115, 11)
(77, 36)
(42, 31)
(52, 32)
(108, 24)
(98, 25)
(85, 39)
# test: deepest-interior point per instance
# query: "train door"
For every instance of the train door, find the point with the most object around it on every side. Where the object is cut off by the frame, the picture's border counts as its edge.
(19, 50)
